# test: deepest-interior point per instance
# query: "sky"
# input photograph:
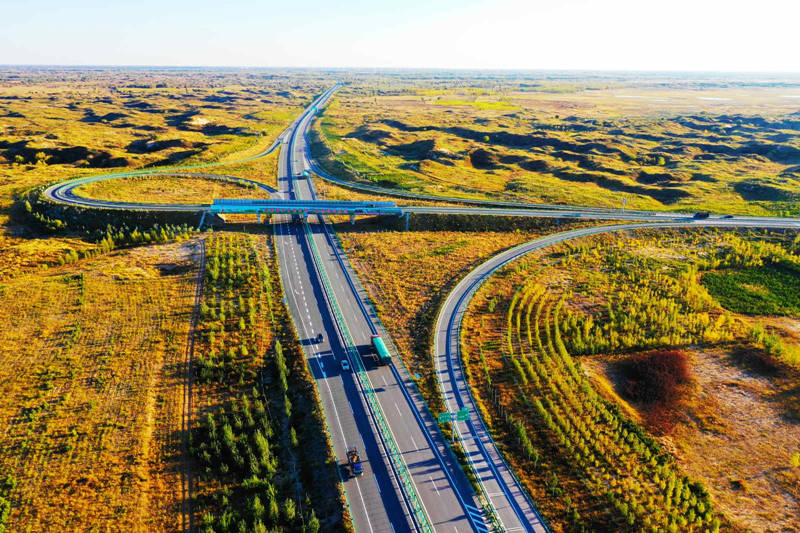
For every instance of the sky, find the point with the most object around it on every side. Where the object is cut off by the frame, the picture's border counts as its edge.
(732, 35)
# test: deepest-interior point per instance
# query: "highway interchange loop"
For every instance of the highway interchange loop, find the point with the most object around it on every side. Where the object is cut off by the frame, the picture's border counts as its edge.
(424, 489)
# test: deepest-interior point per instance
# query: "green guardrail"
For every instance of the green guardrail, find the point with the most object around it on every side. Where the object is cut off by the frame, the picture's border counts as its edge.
(394, 453)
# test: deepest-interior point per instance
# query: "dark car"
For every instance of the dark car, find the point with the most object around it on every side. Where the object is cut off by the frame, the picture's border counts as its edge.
(702, 215)
(728, 216)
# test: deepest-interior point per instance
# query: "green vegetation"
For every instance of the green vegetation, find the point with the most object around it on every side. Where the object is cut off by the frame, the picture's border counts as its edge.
(772, 289)
(756, 278)
(266, 462)
(7, 485)
(581, 448)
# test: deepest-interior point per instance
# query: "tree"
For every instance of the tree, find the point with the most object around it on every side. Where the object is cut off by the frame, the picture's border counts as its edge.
(312, 526)
(257, 508)
(289, 510)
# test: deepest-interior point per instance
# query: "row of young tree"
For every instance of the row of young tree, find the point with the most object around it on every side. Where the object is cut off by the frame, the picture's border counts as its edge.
(255, 474)
(114, 237)
(616, 460)
(640, 292)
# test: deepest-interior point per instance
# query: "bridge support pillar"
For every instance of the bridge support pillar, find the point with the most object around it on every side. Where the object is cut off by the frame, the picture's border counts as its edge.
(352, 218)
(406, 217)
(258, 217)
(305, 217)
(202, 219)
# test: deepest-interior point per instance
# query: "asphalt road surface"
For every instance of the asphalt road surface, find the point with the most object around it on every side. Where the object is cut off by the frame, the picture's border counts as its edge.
(445, 494)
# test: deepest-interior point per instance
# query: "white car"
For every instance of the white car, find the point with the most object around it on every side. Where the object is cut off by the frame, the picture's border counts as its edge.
(345, 365)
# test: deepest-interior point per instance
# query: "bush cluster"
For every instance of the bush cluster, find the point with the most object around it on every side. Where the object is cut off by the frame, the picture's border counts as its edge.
(656, 377)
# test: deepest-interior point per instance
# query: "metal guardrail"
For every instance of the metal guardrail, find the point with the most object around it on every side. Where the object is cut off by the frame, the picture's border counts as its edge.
(486, 503)
(395, 455)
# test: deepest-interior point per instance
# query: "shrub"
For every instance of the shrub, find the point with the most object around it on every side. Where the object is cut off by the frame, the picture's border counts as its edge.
(655, 377)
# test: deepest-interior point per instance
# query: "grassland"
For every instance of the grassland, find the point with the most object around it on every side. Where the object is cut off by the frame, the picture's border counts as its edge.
(407, 274)
(659, 144)
(590, 452)
(91, 376)
(167, 190)
(63, 123)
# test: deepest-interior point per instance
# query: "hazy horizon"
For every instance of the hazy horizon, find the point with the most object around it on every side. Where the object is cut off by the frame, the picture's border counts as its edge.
(575, 35)
(396, 69)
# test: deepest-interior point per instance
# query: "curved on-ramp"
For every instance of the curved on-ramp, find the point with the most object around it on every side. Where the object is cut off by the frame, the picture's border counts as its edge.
(63, 192)
(506, 493)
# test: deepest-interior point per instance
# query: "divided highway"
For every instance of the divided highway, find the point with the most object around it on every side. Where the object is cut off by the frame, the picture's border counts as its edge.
(436, 493)
(375, 500)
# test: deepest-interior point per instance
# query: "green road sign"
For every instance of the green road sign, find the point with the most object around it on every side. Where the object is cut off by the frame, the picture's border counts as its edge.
(444, 417)
(463, 414)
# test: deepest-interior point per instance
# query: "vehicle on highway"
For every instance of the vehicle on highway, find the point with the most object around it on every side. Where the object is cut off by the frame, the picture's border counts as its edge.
(728, 216)
(320, 337)
(701, 215)
(354, 462)
(345, 365)
(384, 357)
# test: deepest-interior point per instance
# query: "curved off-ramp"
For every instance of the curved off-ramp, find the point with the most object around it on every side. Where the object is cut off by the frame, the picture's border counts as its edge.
(508, 497)
(63, 192)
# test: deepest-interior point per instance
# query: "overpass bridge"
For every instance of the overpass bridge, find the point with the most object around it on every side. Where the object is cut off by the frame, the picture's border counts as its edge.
(302, 208)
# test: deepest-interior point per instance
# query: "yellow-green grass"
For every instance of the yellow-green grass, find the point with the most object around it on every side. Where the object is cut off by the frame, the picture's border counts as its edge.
(107, 111)
(597, 276)
(619, 138)
(167, 190)
(92, 381)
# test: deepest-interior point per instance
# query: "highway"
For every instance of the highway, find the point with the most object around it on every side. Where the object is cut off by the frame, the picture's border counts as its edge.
(446, 497)
(375, 500)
